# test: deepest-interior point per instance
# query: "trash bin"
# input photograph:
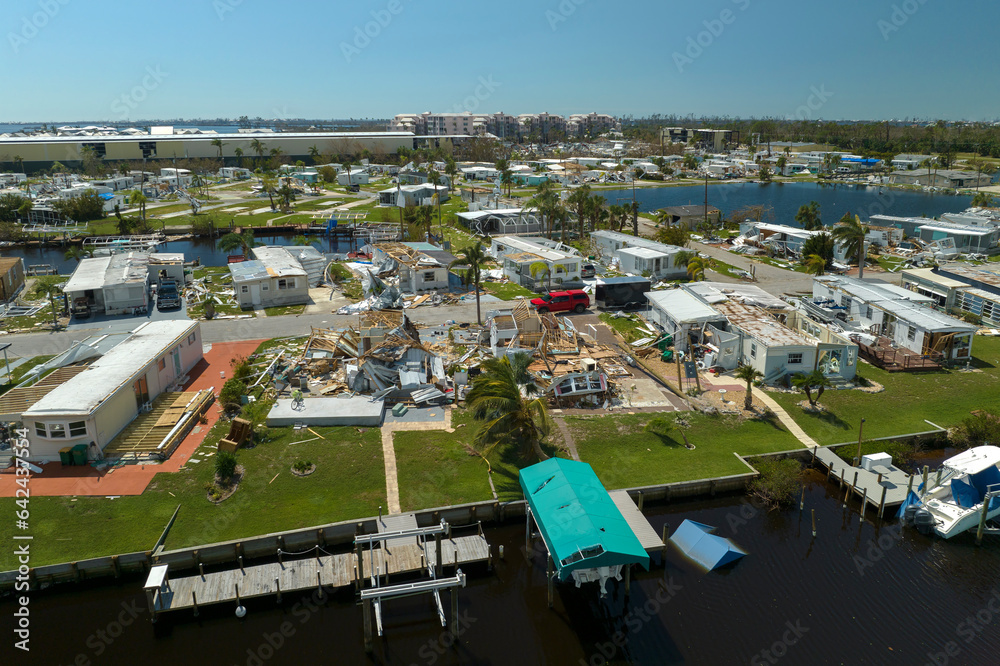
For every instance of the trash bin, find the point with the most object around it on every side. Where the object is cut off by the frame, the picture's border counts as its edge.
(66, 456)
(80, 454)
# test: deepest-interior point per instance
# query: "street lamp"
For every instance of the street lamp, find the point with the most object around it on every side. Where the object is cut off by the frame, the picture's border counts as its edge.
(857, 460)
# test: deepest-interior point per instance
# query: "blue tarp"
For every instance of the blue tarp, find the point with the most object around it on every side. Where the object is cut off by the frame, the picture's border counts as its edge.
(983, 480)
(710, 551)
(965, 495)
(912, 498)
(107, 196)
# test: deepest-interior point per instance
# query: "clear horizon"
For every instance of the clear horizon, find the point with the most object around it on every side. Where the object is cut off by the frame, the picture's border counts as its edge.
(204, 59)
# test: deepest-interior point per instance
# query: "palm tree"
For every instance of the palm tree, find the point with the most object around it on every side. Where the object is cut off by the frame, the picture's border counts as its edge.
(474, 257)
(664, 217)
(540, 268)
(243, 242)
(579, 200)
(814, 380)
(137, 198)
(218, 144)
(314, 154)
(851, 233)
(508, 416)
(257, 147)
(814, 264)
(696, 267)
(18, 160)
(451, 170)
(632, 208)
(982, 200)
(239, 155)
(425, 218)
(545, 201)
(301, 240)
(286, 195)
(79, 253)
(270, 184)
(748, 374)
(808, 216)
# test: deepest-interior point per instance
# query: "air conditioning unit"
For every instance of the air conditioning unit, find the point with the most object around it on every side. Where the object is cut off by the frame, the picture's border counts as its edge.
(588, 365)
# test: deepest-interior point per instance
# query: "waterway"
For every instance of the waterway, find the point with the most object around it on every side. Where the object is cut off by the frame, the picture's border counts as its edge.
(785, 198)
(859, 593)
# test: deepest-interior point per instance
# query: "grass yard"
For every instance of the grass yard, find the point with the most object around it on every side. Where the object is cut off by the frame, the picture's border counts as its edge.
(628, 327)
(281, 310)
(624, 455)
(943, 397)
(508, 291)
(349, 482)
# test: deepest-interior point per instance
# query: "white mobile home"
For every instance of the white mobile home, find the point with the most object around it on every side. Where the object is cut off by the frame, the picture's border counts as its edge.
(518, 255)
(637, 255)
(118, 284)
(95, 405)
(273, 278)
(683, 315)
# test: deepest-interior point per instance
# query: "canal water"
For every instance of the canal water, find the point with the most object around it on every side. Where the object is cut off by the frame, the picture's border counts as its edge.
(785, 198)
(859, 593)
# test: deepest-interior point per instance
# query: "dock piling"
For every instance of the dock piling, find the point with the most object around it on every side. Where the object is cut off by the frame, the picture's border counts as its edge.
(864, 505)
(550, 583)
(640, 501)
(926, 472)
(814, 522)
(277, 589)
(982, 520)
(454, 613)
(881, 504)
(194, 602)
(319, 583)
(802, 499)
(366, 612)
(437, 555)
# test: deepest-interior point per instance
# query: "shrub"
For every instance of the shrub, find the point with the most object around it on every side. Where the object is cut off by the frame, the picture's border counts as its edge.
(232, 391)
(225, 465)
(981, 428)
(209, 309)
(241, 367)
(302, 465)
(777, 483)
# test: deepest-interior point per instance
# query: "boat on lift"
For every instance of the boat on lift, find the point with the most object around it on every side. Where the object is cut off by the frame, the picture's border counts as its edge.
(954, 504)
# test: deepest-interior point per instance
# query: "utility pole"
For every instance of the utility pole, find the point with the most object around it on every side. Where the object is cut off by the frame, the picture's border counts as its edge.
(706, 198)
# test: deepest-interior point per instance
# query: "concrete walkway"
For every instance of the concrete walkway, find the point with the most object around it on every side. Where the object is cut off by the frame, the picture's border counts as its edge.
(389, 453)
(567, 437)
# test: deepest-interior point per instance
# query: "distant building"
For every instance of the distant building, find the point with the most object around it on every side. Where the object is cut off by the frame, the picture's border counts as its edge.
(641, 256)
(947, 178)
(412, 195)
(691, 216)
(518, 255)
(421, 266)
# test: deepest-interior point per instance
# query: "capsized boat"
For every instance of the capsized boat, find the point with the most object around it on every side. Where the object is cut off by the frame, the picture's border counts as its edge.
(955, 505)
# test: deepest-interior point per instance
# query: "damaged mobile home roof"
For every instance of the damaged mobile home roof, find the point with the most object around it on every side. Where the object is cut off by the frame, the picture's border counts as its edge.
(278, 262)
(85, 392)
(101, 272)
(683, 306)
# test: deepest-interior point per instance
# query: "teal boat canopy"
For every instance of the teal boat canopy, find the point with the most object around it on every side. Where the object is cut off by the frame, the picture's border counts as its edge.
(580, 524)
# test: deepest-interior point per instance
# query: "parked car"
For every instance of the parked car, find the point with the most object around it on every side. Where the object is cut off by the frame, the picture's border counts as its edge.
(588, 271)
(167, 296)
(572, 300)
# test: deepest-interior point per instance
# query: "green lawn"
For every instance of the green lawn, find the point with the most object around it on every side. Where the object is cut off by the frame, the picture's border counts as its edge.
(624, 455)
(20, 371)
(943, 397)
(628, 327)
(349, 482)
(282, 310)
(508, 291)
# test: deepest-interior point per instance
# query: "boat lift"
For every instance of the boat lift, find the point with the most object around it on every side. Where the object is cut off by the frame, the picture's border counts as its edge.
(371, 599)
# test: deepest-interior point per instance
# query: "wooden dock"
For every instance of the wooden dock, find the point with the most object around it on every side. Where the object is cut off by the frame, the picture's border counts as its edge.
(647, 536)
(322, 572)
(885, 486)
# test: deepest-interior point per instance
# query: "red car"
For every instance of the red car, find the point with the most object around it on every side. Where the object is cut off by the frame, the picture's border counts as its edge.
(572, 300)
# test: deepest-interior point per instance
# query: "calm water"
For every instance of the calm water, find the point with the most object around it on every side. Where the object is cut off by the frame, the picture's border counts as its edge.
(785, 198)
(205, 249)
(850, 600)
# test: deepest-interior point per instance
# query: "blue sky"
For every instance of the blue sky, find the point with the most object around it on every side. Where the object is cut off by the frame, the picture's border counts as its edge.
(116, 59)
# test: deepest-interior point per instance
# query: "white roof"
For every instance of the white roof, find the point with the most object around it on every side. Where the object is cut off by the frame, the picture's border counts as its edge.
(278, 262)
(644, 252)
(499, 212)
(974, 460)
(88, 275)
(682, 306)
(85, 392)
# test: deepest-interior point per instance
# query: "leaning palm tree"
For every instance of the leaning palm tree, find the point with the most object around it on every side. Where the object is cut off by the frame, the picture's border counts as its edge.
(982, 200)
(243, 242)
(851, 233)
(814, 264)
(815, 380)
(270, 185)
(474, 257)
(696, 267)
(79, 253)
(748, 374)
(508, 409)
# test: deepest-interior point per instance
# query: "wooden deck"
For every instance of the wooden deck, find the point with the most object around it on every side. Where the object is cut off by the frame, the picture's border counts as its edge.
(897, 359)
(869, 486)
(328, 571)
(145, 434)
(647, 536)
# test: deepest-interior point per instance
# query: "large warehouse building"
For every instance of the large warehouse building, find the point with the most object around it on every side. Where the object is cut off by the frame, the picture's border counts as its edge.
(39, 152)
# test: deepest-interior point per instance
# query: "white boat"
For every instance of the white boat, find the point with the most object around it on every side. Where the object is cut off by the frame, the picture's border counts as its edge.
(955, 504)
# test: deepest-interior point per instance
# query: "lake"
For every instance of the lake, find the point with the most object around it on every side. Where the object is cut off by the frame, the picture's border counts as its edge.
(859, 593)
(785, 199)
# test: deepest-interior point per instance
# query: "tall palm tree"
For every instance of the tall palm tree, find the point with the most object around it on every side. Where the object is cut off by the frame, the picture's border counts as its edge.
(243, 242)
(451, 170)
(137, 198)
(814, 264)
(664, 217)
(270, 185)
(257, 147)
(18, 160)
(579, 201)
(508, 409)
(473, 256)
(314, 154)
(851, 233)
(239, 155)
(218, 144)
(545, 201)
(748, 374)
(425, 218)
(696, 267)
